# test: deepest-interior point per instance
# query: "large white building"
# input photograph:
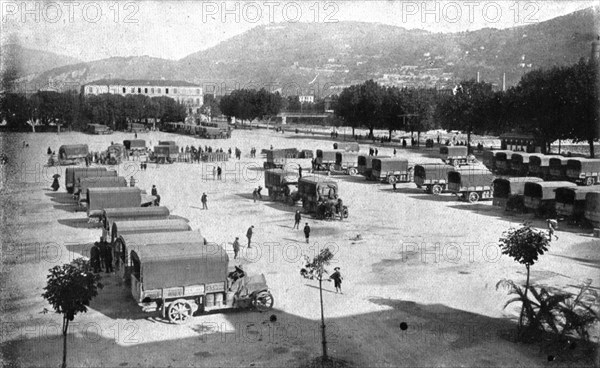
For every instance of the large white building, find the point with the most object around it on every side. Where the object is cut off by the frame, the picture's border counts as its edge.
(186, 93)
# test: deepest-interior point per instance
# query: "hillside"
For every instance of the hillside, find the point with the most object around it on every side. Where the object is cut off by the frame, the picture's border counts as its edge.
(337, 54)
(33, 61)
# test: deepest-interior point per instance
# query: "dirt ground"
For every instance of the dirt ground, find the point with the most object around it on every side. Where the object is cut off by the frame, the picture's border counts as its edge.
(418, 290)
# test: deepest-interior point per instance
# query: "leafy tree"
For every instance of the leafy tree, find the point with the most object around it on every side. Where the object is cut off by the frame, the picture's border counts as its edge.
(14, 108)
(392, 106)
(315, 269)
(69, 290)
(464, 109)
(524, 245)
(249, 104)
(419, 105)
(211, 105)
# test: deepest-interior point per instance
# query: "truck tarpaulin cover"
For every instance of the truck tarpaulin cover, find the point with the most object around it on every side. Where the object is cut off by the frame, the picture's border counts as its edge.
(545, 190)
(70, 173)
(101, 198)
(471, 178)
(73, 151)
(183, 264)
(134, 214)
(433, 171)
(134, 144)
(504, 187)
(148, 226)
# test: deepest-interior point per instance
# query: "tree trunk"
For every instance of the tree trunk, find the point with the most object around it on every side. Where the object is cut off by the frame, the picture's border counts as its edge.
(390, 135)
(371, 132)
(323, 336)
(65, 329)
(469, 140)
(353, 132)
(559, 145)
(418, 138)
(523, 304)
(591, 143)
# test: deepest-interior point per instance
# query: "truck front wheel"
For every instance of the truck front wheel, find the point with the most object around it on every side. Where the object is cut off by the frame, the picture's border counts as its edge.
(179, 311)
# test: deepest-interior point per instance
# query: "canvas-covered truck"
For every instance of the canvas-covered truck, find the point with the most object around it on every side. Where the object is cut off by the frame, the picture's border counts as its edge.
(79, 175)
(320, 196)
(167, 143)
(519, 163)
(454, 155)
(179, 280)
(98, 182)
(135, 144)
(120, 228)
(508, 192)
(489, 159)
(539, 165)
(101, 198)
(502, 161)
(72, 153)
(540, 197)
(471, 184)
(432, 177)
(282, 185)
(592, 208)
(347, 146)
(110, 215)
(346, 162)
(277, 158)
(558, 168)
(570, 202)
(325, 160)
(166, 153)
(585, 171)
(365, 164)
(98, 129)
(391, 170)
(82, 172)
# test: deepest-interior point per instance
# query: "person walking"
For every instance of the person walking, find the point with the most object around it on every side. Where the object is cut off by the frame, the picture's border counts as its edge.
(236, 247)
(297, 219)
(204, 199)
(219, 171)
(258, 192)
(306, 232)
(300, 171)
(337, 280)
(249, 235)
(214, 172)
(255, 194)
(552, 226)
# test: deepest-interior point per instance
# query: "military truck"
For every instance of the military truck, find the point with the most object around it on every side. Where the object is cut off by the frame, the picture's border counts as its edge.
(319, 196)
(282, 185)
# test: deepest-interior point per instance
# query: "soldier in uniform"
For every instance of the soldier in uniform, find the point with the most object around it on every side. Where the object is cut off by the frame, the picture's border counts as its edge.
(95, 257)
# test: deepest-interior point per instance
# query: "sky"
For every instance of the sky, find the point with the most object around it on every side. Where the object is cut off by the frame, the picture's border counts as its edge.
(92, 30)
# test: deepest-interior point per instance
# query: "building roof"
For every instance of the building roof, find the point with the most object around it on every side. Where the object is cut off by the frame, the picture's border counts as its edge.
(142, 82)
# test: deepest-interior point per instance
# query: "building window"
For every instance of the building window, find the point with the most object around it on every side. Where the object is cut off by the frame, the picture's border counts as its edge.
(198, 91)
(159, 91)
(124, 89)
(145, 90)
(90, 90)
(197, 101)
(175, 90)
(132, 90)
(139, 90)
(151, 90)
(166, 91)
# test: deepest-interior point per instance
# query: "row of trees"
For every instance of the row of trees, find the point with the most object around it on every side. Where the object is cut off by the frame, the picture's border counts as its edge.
(76, 112)
(558, 103)
(250, 104)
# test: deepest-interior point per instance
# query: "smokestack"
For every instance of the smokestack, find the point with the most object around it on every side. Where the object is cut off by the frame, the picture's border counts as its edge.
(477, 77)
(503, 82)
(596, 49)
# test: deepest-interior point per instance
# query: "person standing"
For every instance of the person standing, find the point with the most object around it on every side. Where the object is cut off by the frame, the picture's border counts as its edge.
(204, 199)
(297, 219)
(255, 195)
(49, 151)
(108, 258)
(394, 152)
(337, 280)
(258, 192)
(249, 235)
(236, 247)
(300, 171)
(219, 171)
(306, 232)
(214, 172)
(55, 184)
(95, 257)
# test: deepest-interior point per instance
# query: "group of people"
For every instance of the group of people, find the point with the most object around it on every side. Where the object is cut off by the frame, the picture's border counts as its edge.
(256, 194)
(101, 257)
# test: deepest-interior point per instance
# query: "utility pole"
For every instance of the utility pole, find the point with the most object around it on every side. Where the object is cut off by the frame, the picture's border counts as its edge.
(503, 82)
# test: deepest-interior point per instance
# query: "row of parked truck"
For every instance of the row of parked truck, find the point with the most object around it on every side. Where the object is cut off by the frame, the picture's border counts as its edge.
(168, 267)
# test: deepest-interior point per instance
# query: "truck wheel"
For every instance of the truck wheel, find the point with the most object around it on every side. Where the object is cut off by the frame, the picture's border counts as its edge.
(263, 301)
(436, 190)
(391, 179)
(345, 212)
(179, 311)
(589, 181)
(473, 197)
(352, 171)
